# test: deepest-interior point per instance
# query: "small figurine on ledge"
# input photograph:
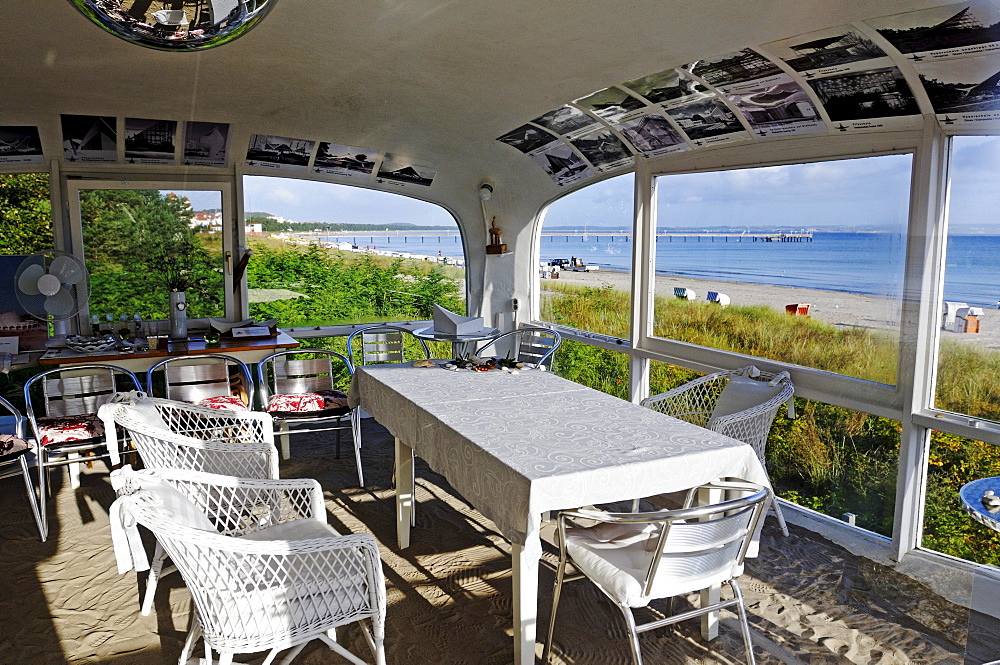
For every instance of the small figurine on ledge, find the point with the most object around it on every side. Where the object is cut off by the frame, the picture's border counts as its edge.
(496, 246)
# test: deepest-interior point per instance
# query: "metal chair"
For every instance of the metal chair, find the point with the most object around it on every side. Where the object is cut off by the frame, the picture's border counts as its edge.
(264, 569)
(298, 387)
(14, 449)
(740, 403)
(534, 345)
(211, 379)
(384, 344)
(62, 409)
(177, 435)
(634, 558)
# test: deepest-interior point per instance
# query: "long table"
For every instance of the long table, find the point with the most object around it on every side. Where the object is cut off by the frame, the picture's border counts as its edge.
(518, 446)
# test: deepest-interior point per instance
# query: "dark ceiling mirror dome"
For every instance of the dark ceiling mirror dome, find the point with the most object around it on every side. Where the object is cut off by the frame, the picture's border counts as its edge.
(176, 25)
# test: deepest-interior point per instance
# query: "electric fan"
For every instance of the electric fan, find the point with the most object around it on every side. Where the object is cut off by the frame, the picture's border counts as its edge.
(51, 285)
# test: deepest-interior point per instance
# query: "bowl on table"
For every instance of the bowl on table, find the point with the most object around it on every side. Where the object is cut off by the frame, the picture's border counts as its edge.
(84, 344)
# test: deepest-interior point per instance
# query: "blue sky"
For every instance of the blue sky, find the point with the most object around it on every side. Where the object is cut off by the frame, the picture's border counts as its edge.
(868, 192)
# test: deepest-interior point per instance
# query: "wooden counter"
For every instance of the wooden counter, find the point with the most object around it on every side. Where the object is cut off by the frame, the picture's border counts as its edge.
(249, 350)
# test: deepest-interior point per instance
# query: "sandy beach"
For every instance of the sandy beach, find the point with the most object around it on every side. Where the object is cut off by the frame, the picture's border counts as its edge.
(834, 307)
(449, 593)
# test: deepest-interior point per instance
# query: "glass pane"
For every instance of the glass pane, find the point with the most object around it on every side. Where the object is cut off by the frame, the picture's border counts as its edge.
(801, 263)
(833, 460)
(141, 244)
(953, 462)
(586, 258)
(329, 254)
(969, 359)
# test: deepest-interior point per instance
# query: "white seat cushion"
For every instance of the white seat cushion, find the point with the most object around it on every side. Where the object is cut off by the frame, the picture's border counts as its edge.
(617, 557)
(293, 530)
(173, 505)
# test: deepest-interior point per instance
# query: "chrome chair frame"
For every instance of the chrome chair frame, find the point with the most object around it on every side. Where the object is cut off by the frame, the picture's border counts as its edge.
(713, 556)
(533, 347)
(69, 396)
(192, 379)
(21, 461)
(303, 376)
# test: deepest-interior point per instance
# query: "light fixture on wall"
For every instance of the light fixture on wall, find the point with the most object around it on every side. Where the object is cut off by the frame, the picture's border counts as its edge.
(193, 26)
(485, 191)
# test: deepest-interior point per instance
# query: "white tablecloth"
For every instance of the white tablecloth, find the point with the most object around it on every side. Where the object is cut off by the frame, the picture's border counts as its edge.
(516, 446)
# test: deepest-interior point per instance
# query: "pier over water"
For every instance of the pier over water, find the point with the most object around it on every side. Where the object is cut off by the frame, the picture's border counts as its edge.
(369, 237)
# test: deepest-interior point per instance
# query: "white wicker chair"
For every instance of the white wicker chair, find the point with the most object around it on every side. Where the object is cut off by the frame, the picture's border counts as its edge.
(263, 568)
(739, 403)
(634, 558)
(231, 443)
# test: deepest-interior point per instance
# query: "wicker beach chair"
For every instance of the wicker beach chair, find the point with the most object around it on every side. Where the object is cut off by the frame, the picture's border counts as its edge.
(739, 403)
(265, 571)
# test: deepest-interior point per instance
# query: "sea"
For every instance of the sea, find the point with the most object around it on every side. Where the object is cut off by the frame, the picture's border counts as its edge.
(865, 263)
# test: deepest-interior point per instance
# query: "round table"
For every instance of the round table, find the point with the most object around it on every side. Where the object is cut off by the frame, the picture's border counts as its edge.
(458, 342)
(972, 501)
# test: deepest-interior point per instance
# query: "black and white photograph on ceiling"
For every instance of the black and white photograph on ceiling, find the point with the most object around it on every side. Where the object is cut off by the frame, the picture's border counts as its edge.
(875, 93)
(344, 160)
(20, 145)
(653, 135)
(206, 143)
(949, 31)
(612, 104)
(834, 48)
(89, 138)
(702, 120)
(562, 164)
(745, 65)
(405, 171)
(668, 86)
(527, 138)
(279, 152)
(566, 121)
(149, 141)
(603, 149)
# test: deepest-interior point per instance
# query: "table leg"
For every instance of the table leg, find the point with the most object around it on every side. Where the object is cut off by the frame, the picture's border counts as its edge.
(710, 621)
(524, 582)
(404, 493)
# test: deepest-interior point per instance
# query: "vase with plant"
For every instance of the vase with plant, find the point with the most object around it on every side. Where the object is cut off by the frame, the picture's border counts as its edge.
(177, 279)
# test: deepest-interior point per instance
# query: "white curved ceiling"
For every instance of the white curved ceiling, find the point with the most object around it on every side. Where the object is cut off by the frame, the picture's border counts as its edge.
(431, 80)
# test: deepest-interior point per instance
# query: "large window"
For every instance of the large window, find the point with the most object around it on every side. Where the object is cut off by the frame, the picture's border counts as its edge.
(801, 263)
(140, 244)
(968, 377)
(328, 254)
(586, 258)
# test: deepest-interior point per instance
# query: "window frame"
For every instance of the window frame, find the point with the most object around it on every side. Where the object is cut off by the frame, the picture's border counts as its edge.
(70, 239)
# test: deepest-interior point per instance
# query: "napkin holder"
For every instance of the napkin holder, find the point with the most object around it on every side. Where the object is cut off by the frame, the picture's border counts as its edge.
(450, 323)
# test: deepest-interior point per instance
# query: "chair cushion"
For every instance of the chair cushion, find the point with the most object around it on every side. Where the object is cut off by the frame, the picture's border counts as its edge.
(69, 428)
(224, 402)
(319, 403)
(742, 393)
(617, 556)
(173, 505)
(304, 529)
(12, 447)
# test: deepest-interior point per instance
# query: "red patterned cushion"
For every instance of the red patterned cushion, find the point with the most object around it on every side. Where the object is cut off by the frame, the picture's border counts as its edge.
(11, 446)
(70, 428)
(296, 403)
(305, 404)
(224, 402)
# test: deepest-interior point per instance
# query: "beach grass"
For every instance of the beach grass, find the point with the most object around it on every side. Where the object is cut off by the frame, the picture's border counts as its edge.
(828, 458)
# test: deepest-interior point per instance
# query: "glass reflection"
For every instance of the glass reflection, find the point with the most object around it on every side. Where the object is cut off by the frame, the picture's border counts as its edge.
(176, 25)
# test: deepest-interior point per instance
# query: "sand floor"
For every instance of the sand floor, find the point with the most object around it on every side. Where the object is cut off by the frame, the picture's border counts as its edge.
(449, 594)
(834, 307)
